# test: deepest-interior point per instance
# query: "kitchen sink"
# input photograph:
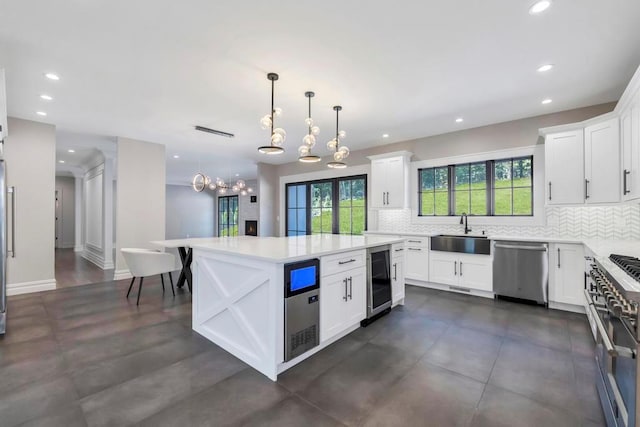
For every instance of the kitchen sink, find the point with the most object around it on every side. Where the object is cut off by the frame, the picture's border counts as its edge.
(479, 245)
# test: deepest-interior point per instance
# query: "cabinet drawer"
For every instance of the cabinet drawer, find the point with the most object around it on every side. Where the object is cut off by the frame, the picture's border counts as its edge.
(421, 242)
(338, 263)
(397, 250)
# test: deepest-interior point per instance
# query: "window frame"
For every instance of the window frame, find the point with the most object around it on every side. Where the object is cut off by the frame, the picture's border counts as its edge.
(228, 224)
(335, 202)
(490, 187)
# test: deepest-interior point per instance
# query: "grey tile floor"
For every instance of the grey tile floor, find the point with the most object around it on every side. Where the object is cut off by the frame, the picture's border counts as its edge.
(87, 356)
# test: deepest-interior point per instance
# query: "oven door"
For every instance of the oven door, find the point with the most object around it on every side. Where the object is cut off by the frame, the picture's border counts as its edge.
(616, 373)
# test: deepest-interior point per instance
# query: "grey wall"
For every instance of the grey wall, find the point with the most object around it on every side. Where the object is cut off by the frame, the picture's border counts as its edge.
(268, 182)
(189, 214)
(140, 203)
(66, 188)
(30, 155)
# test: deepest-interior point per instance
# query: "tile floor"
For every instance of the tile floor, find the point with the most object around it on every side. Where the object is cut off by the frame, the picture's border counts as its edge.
(87, 356)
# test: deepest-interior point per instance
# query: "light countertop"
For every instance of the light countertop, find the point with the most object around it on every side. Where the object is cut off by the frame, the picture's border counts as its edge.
(288, 249)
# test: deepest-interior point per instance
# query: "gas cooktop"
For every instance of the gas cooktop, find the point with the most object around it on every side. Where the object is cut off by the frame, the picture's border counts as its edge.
(628, 264)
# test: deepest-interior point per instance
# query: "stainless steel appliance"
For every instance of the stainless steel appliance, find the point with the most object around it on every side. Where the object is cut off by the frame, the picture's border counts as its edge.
(378, 282)
(612, 294)
(301, 307)
(521, 270)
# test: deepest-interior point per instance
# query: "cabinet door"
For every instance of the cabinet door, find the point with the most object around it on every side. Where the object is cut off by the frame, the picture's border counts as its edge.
(602, 162)
(443, 268)
(3, 104)
(378, 196)
(333, 300)
(630, 141)
(475, 272)
(397, 279)
(417, 267)
(356, 309)
(395, 182)
(564, 168)
(567, 278)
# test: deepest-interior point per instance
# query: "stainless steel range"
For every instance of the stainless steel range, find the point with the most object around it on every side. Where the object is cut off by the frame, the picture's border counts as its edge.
(613, 294)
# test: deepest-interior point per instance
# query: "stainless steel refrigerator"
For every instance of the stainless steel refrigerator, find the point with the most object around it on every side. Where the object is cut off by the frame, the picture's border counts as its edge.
(4, 250)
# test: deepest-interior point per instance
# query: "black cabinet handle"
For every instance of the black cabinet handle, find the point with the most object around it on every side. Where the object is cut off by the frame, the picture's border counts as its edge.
(586, 188)
(400, 250)
(395, 271)
(415, 249)
(455, 268)
(549, 190)
(624, 181)
(350, 287)
(346, 262)
(558, 257)
(345, 297)
(461, 268)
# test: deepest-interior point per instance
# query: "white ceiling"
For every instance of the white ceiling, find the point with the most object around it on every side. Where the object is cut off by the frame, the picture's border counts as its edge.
(151, 70)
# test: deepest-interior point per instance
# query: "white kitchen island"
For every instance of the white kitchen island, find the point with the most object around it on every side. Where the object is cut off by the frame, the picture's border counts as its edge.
(238, 292)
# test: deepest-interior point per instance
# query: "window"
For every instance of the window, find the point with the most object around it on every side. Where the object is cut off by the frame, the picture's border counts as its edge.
(228, 216)
(493, 188)
(332, 206)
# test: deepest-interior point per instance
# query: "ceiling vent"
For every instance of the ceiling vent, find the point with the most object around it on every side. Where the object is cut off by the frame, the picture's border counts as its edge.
(214, 131)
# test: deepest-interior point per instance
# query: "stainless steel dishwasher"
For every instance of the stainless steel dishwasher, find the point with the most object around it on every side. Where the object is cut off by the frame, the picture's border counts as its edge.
(521, 270)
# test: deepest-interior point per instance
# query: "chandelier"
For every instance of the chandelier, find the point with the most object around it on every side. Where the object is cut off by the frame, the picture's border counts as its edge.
(309, 140)
(339, 152)
(201, 181)
(278, 135)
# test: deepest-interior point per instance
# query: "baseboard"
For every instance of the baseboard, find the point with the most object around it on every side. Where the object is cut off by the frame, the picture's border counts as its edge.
(448, 288)
(97, 260)
(29, 287)
(78, 248)
(67, 245)
(122, 274)
(566, 307)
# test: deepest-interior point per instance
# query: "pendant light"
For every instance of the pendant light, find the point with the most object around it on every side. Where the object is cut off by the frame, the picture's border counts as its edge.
(309, 139)
(278, 135)
(339, 153)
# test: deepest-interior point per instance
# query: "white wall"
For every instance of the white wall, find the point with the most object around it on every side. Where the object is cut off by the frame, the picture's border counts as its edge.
(268, 200)
(98, 215)
(65, 186)
(188, 213)
(140, 203)
(30, 156)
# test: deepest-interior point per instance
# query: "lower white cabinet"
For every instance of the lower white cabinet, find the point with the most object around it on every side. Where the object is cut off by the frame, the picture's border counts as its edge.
(461, 270)
(343, 301)
(397, 275)
(417, 262)
(566, 274)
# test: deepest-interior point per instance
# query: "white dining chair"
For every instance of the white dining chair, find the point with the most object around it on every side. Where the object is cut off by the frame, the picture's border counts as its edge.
(147, 262)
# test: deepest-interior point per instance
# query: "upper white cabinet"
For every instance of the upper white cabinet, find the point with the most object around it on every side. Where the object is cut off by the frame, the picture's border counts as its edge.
(390, 180)
(602, 162)
(3, 105)
(630, 141)
(564, 169)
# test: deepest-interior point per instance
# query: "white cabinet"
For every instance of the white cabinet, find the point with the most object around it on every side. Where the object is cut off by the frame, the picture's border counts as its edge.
(397, 273)
(417, 258)
(390, 180)
(630, 141)
(3, 105)
(343, 301)
(564, 167)
(602, 162)
(461, 270)
(566, 274)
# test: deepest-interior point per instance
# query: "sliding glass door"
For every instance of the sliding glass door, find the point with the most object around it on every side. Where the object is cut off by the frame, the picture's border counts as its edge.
(228, 216)
(330, 206)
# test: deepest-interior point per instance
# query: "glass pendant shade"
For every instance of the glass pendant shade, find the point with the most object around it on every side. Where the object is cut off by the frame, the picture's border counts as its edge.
(278, 135)
(339, 152)
(309, 140)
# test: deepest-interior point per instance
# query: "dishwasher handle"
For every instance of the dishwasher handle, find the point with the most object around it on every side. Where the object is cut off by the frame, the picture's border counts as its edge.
(524, 248)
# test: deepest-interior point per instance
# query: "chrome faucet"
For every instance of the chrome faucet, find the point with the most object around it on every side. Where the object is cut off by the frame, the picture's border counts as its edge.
(464, 220)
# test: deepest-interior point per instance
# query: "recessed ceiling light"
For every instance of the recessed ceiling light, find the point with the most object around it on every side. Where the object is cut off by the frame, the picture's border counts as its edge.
(539, 6)
(547, 101)
(237, 174)
(545, 67)
(71, 151)
(175, 156)
(385, 135)
(52, 76)
(41, 113)
(60, 161)
(46, 97)
(459, 120)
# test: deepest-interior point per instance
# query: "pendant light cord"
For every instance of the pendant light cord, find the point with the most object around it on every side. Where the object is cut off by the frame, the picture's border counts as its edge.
(272, 110)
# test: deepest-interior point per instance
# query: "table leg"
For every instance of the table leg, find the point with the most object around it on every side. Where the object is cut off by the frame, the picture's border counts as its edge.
(186, 257)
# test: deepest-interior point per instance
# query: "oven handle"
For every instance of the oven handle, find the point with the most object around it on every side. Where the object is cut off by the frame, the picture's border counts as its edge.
(601, 330)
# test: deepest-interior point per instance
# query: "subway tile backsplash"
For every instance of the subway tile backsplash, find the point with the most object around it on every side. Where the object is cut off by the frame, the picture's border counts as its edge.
(606, 222)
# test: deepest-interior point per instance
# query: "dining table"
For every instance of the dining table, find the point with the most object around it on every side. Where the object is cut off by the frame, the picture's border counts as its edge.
(185, 250)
